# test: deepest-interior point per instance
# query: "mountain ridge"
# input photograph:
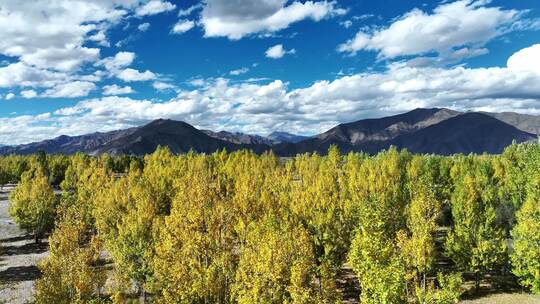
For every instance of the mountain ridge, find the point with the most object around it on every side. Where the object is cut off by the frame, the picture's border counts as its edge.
(433, 130)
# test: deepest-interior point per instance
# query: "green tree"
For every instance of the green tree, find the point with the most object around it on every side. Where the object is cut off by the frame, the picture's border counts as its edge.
(57, 165)
(69, 272)
(418, 245)
(319, 202)
(124, 220)
(85, 186)
(378, 189)
(277, 265)
(526, 240)
(33, 203)
(194, 261)
(476, 242)
(448, 291)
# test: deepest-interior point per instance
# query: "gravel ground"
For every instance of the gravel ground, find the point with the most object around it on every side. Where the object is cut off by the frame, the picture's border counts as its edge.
(18, 257)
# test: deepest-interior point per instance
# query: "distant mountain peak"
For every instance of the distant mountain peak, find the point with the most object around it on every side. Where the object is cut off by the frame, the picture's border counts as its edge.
(281, 137)
(434, 130)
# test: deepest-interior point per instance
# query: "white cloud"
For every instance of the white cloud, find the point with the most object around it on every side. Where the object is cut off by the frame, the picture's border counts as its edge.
(10, 96)
(189, 10)
(50, 34)
(346, 23)
(130, 75)
(20, 74)
(239, 71)
(116, 90)
(52, 44)
(161, 86)
(260, 107)
(235, 19)
(277, 51)
(29, 94)
(100, 38)
(61, 59)
(70, 90)
(197, 82)
(527, 59)
(120, 60)
(143, 27)
(451, 26)
(154, 7)
(183, 26)
(117, 67)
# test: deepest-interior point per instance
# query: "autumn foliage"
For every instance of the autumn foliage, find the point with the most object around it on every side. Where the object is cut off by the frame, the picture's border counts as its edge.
(246, 228)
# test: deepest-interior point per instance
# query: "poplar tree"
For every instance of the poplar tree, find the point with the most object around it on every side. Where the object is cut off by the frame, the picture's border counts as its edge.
(476, 242)
(194, 260)
(124, 221)
(277, 265)
(319, 204)
(33, 204)
(127, 214)
(378, 189)
(526, 239)
(418, 245)
(69, 272)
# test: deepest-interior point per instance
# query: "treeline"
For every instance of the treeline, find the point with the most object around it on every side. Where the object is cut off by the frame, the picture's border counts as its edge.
(246, 228)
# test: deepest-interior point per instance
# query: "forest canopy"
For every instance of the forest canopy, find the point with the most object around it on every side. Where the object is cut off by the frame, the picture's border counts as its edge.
(246, 228)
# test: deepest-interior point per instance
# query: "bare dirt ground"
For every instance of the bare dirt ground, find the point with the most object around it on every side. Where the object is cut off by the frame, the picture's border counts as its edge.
(18, 257)
(505, 298)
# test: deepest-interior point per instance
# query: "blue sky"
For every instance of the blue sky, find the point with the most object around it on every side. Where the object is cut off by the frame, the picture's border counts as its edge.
(257, 66)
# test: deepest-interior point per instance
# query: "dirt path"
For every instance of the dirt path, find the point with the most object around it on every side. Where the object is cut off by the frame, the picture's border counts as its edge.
(18, 256)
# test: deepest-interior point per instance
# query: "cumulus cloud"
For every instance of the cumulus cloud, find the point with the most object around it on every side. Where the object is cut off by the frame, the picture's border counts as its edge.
(129, 75)
(116, 90)
(527, 59)
(235, 19)
(117, 66)
(277, 51)
(154, 7)
(183, 26)
(47, 41)
(260, 107)
(54, 39)
(120, 60)
(162, 86)
(100, 38)
(20, 74)
(10, 96)
(29, 94)
(197, 82)
(61, 59)
(70, 90)
(450, 29)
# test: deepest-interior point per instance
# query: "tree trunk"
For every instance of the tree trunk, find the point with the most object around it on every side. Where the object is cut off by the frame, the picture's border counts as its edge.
(424, 282)
(477, 282)
(142, 295)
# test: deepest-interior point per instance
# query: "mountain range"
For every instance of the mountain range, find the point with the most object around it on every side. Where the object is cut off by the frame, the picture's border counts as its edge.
(437, 130)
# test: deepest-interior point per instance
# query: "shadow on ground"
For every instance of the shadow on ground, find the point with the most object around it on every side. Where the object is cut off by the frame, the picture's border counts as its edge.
(31, 248)
(490, 285)
(20, 273)
(17, 239)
